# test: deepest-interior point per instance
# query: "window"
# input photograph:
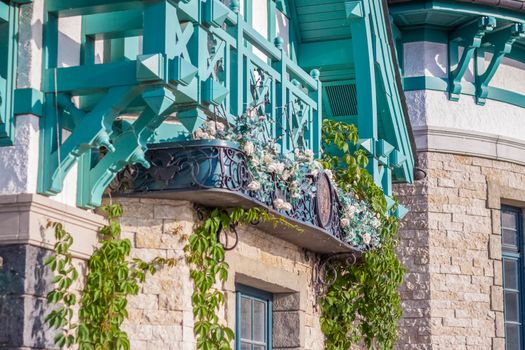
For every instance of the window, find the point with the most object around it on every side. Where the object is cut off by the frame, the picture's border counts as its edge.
(254, 318)
(512, 245)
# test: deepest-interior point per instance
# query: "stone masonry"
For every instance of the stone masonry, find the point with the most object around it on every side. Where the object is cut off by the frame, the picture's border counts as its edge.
(451, 247)
(160, 317)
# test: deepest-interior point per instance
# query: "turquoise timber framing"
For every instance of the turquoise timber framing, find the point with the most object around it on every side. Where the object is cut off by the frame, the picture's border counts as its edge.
(478, 29)
(164, 90)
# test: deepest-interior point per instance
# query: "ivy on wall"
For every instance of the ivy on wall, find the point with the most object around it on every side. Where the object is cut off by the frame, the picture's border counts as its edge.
(363, 304)
(205, 255)
(112, 276)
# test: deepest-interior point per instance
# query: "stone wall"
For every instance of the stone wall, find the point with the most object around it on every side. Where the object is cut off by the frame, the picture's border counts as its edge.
(161, 316)
(452, 249)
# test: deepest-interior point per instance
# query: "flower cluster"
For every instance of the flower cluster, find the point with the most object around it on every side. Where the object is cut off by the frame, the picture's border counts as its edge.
(358, 222)
(292, 175)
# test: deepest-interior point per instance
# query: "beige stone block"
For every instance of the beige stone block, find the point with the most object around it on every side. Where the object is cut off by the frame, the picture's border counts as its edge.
(499, 324)
(495, 247)
(498, 273)
(148, 240)
(496, 221)
(498, 344)
(479, 297)
(144, 302)
(496, 298)
(182, 211)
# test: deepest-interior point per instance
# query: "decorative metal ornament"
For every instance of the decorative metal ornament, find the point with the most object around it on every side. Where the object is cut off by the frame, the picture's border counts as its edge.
(323, 200)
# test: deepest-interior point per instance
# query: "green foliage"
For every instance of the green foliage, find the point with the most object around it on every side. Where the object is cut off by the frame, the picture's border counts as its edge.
(112, 276)
(206, 258)
(363, 304)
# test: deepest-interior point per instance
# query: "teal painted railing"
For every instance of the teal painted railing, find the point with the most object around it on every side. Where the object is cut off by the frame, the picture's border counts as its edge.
(199, 61)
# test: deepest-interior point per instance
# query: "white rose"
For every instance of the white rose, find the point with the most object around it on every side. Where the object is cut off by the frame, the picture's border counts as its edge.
(254, 186)
(198, 134)
(279, 168)
(314, 172)
(278, 203)
(352, 209)
(255, 162)
(220, 126)
(287, 206)
(286, 175)
(211, 128)
(296, 152)
(309, 154)
(248, 148)
(267, 159)
(275, 148)
(376, 223)
(329, 173)
(345, 222)
(366, 238)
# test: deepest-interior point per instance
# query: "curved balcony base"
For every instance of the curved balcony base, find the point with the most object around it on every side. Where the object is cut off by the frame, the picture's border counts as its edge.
(311, 237)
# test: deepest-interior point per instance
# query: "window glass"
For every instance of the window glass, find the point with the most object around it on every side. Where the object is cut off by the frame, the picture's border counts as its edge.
(254, 321)
(246, 318)
(512, 337)
(260, 23)
(509, 237)
(282, 27)
(259, 320)
(508, 219)
(512, 270)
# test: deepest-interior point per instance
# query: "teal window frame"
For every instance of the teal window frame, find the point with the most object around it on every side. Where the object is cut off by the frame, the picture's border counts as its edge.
(253, 294)
(513, 253)
(8, 65)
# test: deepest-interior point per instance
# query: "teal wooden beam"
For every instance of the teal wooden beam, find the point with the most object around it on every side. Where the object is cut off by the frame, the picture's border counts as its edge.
(161, 28)
(441, 84)
(358, 12)
(215, 13)
(8, 66)
(502, 41)
(470, 35)
(28, 101)
(93, 131)
(113, 24)
(341, 54)
(87, 79)
(66, 8)
(4, 12)
(455, 7)
(130, 147)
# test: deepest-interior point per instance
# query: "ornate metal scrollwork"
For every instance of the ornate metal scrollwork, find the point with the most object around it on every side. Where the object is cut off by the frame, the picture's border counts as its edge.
(326, 269)
(215, 164)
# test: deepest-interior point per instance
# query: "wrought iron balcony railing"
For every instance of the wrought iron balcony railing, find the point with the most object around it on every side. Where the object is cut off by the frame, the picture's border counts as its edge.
(215, 173)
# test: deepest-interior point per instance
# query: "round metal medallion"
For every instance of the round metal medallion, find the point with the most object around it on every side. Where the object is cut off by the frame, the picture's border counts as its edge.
(324, 200)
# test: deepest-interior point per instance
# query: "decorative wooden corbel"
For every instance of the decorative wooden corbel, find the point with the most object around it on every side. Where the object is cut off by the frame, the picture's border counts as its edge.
(471, 36)
(130, 146)
(502, 41)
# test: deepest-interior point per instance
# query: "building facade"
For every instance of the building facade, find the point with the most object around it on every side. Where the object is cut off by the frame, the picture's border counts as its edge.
(461, 238)
(143, 103)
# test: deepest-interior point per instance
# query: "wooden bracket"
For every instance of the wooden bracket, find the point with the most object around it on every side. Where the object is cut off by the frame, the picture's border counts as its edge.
(470, 36)
(502, 42)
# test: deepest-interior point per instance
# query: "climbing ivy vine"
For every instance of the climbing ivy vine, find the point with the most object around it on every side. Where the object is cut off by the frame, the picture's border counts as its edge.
(112, 276)
(363, 304)
(205, 254)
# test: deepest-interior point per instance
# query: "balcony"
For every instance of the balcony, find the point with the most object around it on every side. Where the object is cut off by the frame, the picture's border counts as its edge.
(215, 173)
